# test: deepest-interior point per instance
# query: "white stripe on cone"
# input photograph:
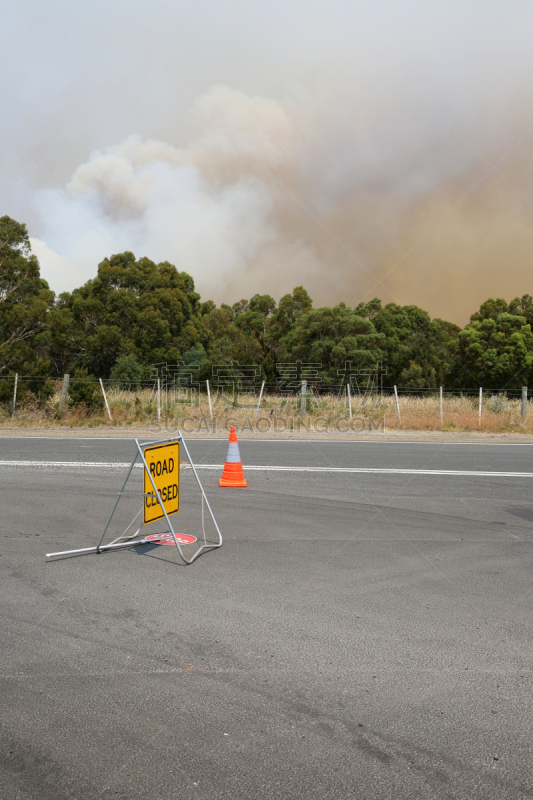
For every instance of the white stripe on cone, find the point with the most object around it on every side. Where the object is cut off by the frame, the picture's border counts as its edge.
(233, 456)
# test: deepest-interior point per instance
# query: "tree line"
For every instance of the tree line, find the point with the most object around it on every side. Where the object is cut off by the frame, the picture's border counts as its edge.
(136, 313)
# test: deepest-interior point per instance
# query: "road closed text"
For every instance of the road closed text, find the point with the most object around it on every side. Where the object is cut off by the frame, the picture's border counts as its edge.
(163, 462)
(166, 493)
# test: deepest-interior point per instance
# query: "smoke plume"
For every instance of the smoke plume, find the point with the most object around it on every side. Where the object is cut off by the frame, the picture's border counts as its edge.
(353, 199)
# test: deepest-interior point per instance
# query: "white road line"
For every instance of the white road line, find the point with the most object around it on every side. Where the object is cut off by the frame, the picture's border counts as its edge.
(247, 468)
(384, 471)
(436, 443)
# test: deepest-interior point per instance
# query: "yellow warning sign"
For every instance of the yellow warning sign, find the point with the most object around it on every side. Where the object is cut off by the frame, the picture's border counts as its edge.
(163, 461)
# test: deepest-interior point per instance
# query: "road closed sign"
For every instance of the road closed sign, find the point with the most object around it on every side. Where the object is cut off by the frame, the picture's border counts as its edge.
(163, 463)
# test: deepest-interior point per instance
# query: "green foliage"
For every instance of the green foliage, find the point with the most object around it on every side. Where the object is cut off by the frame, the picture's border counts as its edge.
(7, 388)
(44, 391)
(522, 307)
(195, 355)
(139, 308)
(284, 317)
(370, 309)
(490, 309)
(84, 390)
(413, 377)
(24, 302)
(495, 352)
(34, 389)
(206, 307)
(253, 316)
(333, 336)
(228, 341)
(40, 387)
(443, 343)
(127, 373)
(410, 336)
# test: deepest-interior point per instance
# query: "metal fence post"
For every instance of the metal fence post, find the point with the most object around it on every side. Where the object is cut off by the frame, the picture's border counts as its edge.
(479, 413)
(303, 399)
(105, 399)
(524, 403)
(349, 398)
(209, 399)
(397, 405)
(15, 391)
(441, 406)
(159, 400)
(260, 398)
(64, 390)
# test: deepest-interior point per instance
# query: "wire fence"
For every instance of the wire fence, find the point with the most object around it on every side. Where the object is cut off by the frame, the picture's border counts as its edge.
(170, 403)
(271, 388)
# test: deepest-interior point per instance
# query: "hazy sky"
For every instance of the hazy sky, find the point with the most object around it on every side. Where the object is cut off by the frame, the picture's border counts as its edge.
(361, 149)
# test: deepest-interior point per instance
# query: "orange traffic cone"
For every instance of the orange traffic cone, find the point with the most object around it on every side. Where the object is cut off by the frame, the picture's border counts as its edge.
(232, 474)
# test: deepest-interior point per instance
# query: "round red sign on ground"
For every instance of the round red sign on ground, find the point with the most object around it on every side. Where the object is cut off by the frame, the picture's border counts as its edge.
(167, 538)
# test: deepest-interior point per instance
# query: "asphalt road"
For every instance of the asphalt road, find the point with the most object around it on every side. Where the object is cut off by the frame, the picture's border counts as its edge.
(359, 635)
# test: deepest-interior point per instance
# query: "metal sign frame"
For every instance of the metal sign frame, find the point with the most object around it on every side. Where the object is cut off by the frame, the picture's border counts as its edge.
(131, 542)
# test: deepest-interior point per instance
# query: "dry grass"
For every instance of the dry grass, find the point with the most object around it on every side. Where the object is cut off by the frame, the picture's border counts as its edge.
(139, 409)
(459, 414)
